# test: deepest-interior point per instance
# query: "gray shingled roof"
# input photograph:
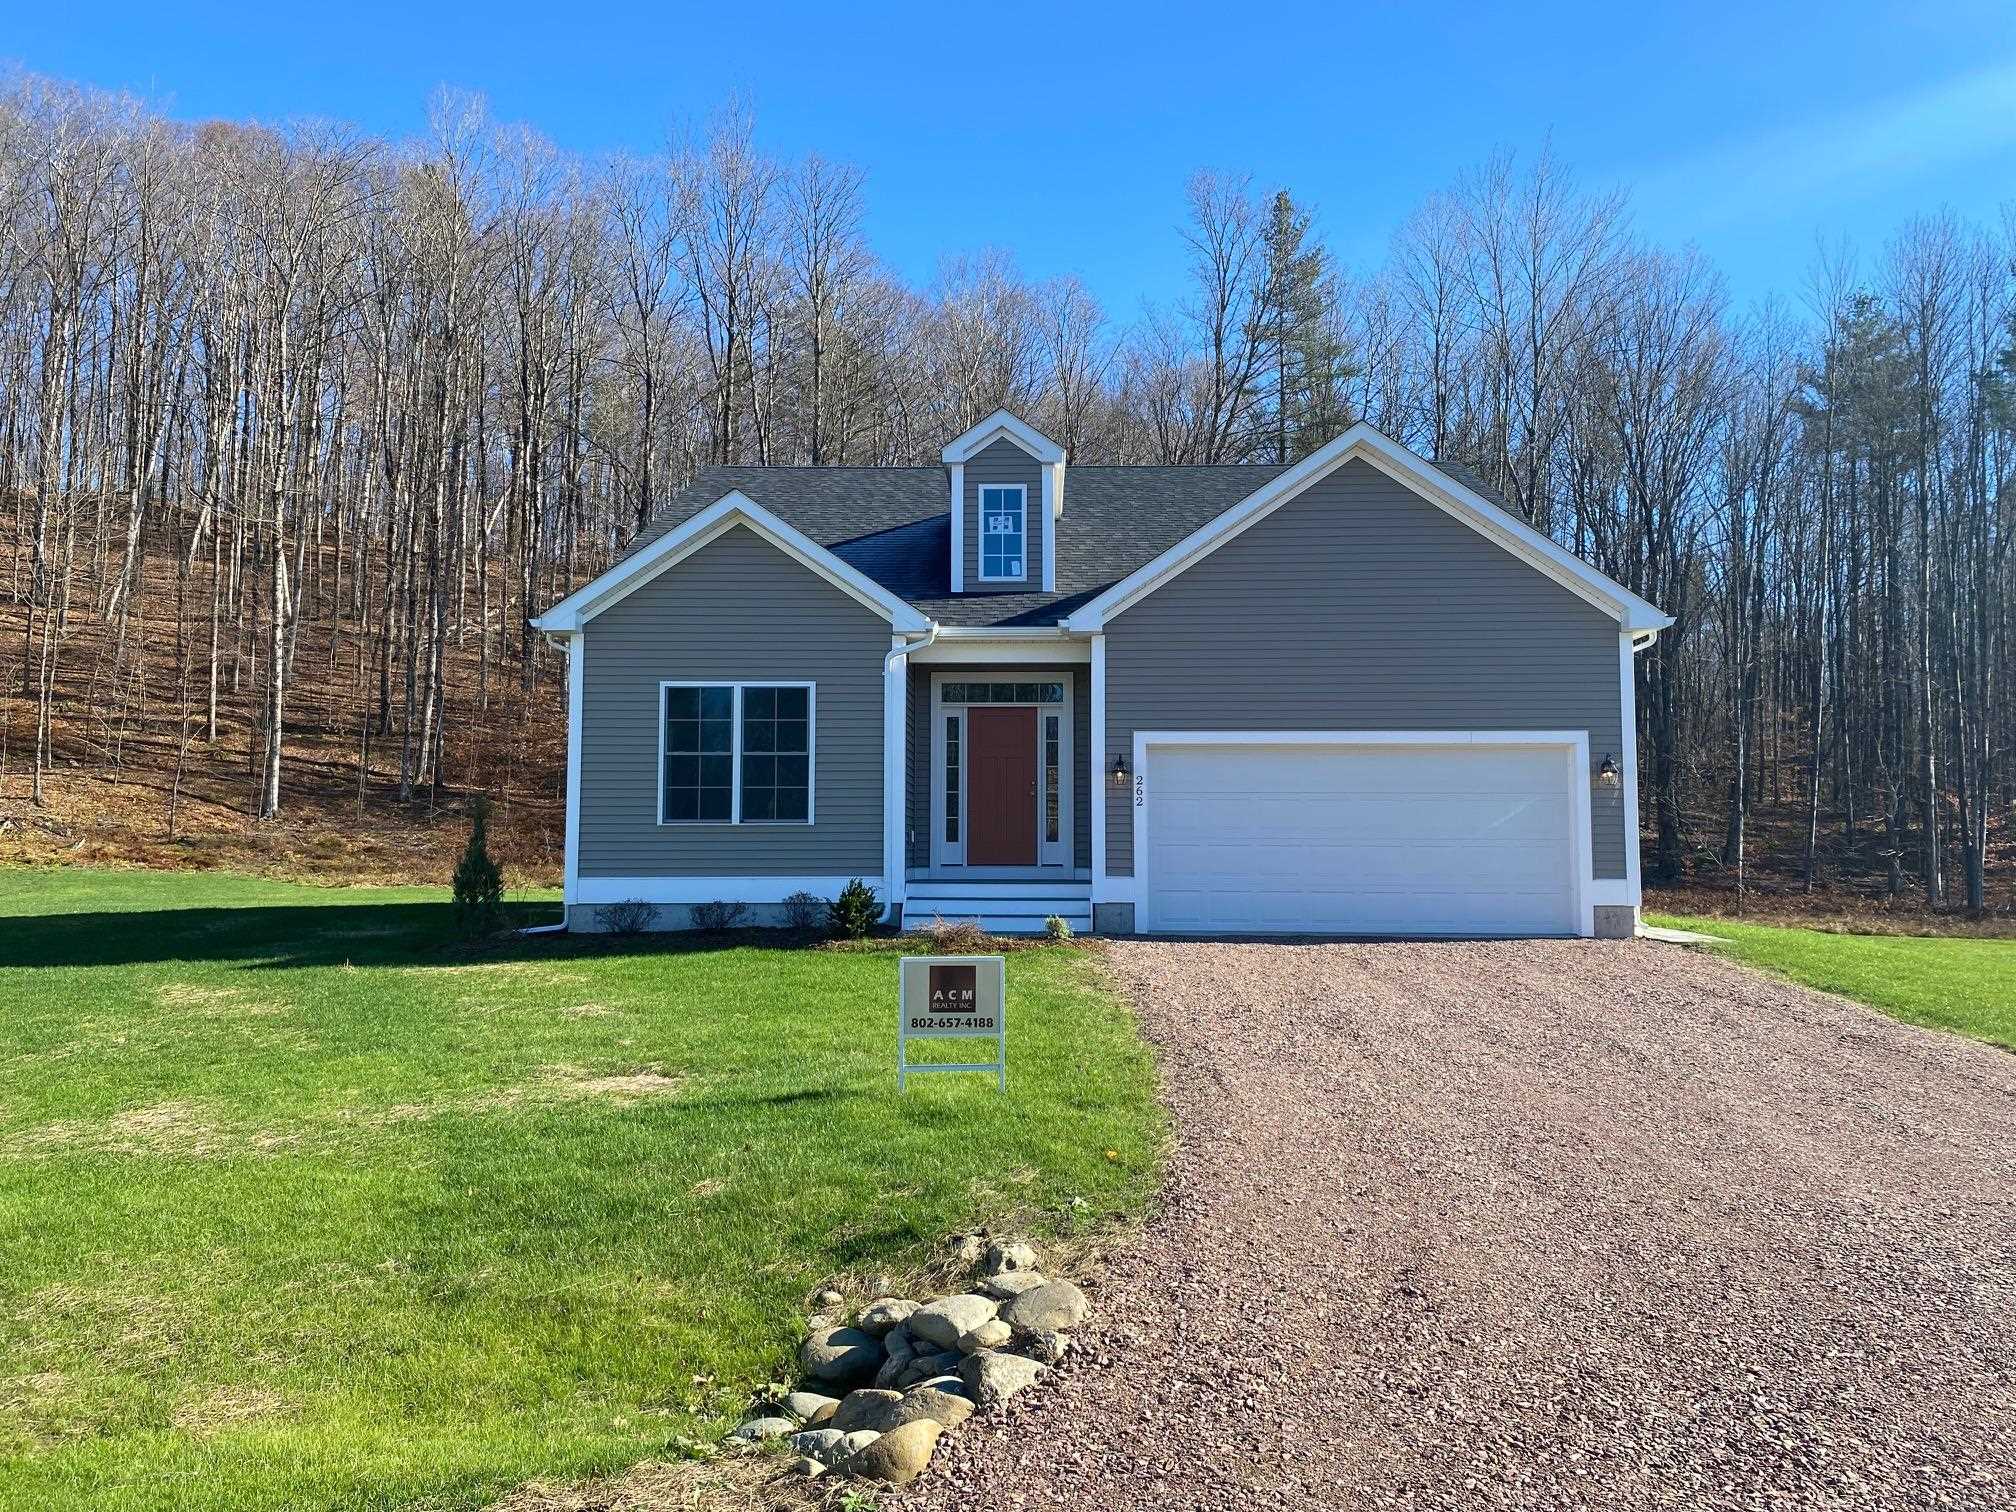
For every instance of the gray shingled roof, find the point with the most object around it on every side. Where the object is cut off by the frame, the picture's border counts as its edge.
(892, 524)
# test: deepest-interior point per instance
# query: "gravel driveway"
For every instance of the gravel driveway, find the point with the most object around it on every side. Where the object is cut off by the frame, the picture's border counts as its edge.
(1537, 1224)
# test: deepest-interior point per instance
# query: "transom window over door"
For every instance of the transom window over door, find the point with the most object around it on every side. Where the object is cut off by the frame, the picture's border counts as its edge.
(1004, 519)
(736, 753)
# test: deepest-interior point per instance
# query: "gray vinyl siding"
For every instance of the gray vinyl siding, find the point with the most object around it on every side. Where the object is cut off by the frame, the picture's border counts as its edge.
(1005, 462)
(738, 610)
(1359, 605)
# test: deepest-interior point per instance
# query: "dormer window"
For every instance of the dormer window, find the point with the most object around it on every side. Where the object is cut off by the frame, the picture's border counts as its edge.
(1006, 494)
(1004, 532)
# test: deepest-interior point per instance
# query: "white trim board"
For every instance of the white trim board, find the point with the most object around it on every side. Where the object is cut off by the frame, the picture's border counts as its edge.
(958, 577)
(1000, 426)
(732, 509)
(1053, 857)
(577, 682)
(594, 891)
(947, 651)
(1574, 744)
(738, 685)
(1456, 499)
(1021, 491)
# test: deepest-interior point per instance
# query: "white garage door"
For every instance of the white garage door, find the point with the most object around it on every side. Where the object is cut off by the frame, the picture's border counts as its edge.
(1360, 839)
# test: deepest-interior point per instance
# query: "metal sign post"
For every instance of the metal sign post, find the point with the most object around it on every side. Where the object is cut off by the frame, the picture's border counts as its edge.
(952, 997)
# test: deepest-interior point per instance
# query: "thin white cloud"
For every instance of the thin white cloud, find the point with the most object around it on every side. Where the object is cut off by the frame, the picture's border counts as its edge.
(1792, 171)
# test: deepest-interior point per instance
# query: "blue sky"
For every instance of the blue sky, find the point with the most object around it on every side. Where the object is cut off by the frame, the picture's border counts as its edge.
(1065, 133)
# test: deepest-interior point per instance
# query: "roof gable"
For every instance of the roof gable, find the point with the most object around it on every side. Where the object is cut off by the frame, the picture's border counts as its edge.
(732, 509)
(1439, 488)
(1001, 426)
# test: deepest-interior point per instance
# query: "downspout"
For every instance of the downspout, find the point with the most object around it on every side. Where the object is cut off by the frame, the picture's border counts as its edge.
(930, 635)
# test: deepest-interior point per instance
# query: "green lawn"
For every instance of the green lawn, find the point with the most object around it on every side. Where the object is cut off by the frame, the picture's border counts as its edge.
(1962, 984)
(301, 1206)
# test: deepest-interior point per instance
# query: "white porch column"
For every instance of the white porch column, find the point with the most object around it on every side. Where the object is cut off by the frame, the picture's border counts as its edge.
(1098, 794)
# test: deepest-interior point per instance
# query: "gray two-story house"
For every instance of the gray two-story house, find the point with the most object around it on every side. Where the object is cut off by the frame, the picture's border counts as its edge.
(1351, 696)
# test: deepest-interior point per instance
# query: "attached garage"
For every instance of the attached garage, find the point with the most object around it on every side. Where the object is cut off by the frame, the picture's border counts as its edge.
(1380, 833)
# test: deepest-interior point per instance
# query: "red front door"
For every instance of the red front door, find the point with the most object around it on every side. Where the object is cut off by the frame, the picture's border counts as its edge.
(1000, 787)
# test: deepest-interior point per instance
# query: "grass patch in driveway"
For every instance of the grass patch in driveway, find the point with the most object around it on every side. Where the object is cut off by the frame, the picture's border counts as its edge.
(1961, 984)
(299, 1206)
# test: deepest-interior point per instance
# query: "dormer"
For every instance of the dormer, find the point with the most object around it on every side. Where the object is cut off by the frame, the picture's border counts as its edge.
(1007, 493)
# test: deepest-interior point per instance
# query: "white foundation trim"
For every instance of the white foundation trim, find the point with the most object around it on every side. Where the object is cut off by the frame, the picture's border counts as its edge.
(600, 890)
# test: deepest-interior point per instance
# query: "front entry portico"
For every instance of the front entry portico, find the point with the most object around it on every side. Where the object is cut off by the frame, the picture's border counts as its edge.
(1002, 784)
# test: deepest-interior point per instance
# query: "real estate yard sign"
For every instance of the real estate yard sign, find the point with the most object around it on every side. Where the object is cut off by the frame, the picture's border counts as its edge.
(952, 997)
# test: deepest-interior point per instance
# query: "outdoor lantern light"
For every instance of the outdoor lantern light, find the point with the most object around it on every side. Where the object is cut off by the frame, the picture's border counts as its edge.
(1120, 770)
(1606, 775)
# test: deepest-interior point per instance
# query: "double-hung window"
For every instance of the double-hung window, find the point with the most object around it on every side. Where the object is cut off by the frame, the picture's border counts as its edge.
(735, 753)
(1004, 522)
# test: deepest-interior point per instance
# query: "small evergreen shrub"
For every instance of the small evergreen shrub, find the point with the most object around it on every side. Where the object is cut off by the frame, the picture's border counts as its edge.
(856, 912)
(631, 916)
(712, 918)
(479, 881)
(1056, 928)
(804, 910)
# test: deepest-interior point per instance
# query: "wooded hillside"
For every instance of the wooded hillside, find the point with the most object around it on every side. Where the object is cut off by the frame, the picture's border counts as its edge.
(297, 427)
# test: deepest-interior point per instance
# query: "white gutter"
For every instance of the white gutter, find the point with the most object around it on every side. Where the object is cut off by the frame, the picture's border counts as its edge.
(930, 635)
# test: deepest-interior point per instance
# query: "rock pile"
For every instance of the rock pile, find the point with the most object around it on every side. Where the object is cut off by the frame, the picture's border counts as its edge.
(878, 1392)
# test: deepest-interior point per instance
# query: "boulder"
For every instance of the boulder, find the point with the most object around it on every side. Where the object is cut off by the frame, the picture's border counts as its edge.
(993, 1378)
(943, 1321)
(899, 1350)
(806, 1465)
(883, 1314)
(1010, 1255)
(821, 1444)
(840, 1356)
(758, 1429)
(1048, 1309)
(989, 1335)
(864, 1409)
(948, 1383)
(897, 1457)
(1012, 1283)
(1049, 1346)
(818, 1321)
(942, 1407)
(821, 1416)
(827, 1299)
(923, 1367)
(853, 1443)
(805, 1405)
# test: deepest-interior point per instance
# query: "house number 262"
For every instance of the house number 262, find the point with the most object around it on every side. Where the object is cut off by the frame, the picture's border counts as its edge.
(1140, 790)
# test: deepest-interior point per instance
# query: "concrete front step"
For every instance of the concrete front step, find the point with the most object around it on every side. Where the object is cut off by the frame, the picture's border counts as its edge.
(1001, 924)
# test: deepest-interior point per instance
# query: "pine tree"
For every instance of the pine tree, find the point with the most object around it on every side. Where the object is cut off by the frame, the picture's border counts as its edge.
(1308, 360)
(479, 881)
